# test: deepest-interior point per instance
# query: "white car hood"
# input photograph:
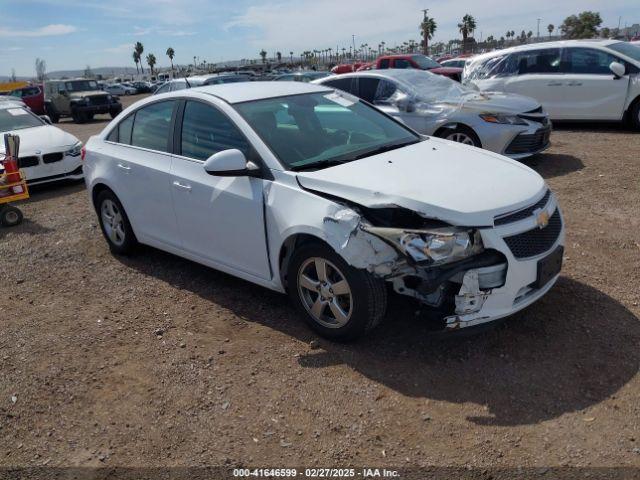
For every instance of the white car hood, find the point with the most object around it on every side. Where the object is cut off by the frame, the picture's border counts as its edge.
(497, 102)
(436, 178)
(44, 139)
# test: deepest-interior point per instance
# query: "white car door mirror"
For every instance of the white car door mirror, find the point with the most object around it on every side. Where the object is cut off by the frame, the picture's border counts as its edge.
(46, 119)
(618, 69)
(230, 163)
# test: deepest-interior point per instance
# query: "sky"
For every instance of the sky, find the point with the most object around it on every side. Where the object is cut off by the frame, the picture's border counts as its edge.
(71, 34)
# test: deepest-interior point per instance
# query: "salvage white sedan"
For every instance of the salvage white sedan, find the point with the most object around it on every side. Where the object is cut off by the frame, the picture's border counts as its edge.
(47, 154)
(307, 190)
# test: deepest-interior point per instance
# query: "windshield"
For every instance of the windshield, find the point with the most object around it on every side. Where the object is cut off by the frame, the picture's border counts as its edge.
(315, 130)
(425, 62)
(17, 118)
(627, 49)
(430, 88)
(81, 86)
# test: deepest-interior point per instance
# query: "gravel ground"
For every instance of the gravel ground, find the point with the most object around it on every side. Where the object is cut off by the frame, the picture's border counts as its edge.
(157, 361)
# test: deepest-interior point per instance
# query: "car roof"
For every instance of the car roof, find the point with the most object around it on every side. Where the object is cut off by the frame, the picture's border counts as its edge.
(250, 91)
(394, 73)
(557, 44)
(5, 104)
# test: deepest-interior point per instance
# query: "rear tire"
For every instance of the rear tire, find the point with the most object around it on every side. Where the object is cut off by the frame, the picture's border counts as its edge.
(53, 114)
(634, 115)
(10, 216)
(114, 112)
(337, 301)
(115, 224)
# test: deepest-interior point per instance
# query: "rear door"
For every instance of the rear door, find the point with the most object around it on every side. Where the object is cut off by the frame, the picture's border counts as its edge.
(590, 91)
(537, 74)
(221, 219)
(139, 149)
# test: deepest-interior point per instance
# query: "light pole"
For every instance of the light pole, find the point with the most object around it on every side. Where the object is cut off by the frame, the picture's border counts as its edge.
(538, 36)
(353, 39)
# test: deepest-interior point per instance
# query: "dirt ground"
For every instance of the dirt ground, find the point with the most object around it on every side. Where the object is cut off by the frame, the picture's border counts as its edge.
(156, 361)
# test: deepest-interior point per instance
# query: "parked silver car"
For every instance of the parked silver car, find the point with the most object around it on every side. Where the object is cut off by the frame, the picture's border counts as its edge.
(513, 125)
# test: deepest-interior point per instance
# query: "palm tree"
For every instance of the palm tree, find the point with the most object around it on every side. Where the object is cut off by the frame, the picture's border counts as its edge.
(291, 56)
(136, 58)
(279, 56)
(139, 48)
(427, 28)
(151, 61)
(466, 27)
(171, 53)
(529, 35)
(550, 28)
(263, 55)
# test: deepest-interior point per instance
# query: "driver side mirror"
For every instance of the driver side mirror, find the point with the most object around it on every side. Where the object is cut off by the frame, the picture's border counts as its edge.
(406, 106)
(46, 119)
(230, 163)
(617, 69)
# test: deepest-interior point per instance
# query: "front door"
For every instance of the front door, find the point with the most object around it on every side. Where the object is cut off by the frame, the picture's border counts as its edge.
(221, 219)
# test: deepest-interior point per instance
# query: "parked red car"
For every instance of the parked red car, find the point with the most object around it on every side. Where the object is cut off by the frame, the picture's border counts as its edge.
(420, 62)
(346, 67)
(32, 96)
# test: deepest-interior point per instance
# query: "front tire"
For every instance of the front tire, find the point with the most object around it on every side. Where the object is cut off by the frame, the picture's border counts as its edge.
(115, 224)
(114, 112)
(10, 216)
(635, 115)
(461, 134)
(337, 301)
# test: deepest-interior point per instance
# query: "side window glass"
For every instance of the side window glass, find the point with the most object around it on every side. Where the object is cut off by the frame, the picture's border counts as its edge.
(588, 61)
(367, 88)
(537, 61)
(206, 131)
(384, 63)
(151, 128)
(164, 88)
(343, 84)
(401, 63)
(384, 92)
(125, 128)
(178, 86)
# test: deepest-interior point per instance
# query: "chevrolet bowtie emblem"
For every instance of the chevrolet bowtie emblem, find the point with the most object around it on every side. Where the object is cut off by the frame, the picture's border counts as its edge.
(542, 219)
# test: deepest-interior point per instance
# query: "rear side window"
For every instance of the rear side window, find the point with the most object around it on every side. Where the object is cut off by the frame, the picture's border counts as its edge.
(588, 61)
(384, 63)
(205, 131)
(537, 61)
(401, 63)
(122, 133)
(151, 127)
(384, 92)
(343, 84)
(178, 86)
(367, 88)
(164, 89)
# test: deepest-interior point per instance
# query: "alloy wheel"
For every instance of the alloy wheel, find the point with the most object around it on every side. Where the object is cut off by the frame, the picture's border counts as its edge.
(113, 222)
(461, 137)
(325, 292)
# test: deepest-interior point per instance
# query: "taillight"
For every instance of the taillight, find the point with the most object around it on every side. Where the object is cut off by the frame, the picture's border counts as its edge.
(83, 153)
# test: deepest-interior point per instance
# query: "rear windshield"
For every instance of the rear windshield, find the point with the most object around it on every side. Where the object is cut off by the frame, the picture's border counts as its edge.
(17, 118)
(627, 49)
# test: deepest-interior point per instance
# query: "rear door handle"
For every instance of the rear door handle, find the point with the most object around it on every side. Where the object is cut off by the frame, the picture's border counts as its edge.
(575, 84)
(182, 186)
(124, 167)
(554, 84)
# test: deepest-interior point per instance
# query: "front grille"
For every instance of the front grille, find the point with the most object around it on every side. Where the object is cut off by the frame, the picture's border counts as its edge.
(522, 214)
(52, 157)
(98, 100)
(24, 162)
(536, 241)
(529, 142)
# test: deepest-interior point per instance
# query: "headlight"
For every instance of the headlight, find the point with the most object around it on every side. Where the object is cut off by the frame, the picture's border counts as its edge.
(502, 118)
(436, 247)
(75, 150)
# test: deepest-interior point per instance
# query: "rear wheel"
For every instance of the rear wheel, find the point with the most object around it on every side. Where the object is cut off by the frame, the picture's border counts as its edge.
(462, 135)
(78, 116)
(114, 112)
(635, 115)
(10, 216)
(337, 301)
(53, 114)
(115, 224)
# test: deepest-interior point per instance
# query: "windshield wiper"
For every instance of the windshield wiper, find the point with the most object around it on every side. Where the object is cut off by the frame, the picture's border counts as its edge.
(318, 164)
(383, 149)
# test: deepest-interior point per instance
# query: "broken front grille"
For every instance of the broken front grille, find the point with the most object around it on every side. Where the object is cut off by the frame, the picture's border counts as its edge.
(529, 142)
(52, 157)
(537, 241)
(522, 214)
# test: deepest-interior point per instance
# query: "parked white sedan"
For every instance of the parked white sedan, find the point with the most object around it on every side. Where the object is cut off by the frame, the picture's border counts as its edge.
(119, 89)
(46, 153)
(574, 79)
(305, 189)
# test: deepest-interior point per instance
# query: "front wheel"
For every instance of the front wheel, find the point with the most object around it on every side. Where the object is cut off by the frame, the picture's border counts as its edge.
(115, 224)
(462, 135)
(10, 216)
(114, 112)
(635, 115)
(337, 301)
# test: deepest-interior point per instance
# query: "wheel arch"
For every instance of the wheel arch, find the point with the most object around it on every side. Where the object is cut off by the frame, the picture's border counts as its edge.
(440, 132)
(289, 245)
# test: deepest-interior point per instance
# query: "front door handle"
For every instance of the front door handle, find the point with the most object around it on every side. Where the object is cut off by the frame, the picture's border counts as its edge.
(182, 186)
(575, 84)
(124, 167)
(554, 84)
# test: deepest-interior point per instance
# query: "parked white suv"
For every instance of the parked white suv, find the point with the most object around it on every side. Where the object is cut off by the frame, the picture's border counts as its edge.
(306, 189)
(574, 79)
